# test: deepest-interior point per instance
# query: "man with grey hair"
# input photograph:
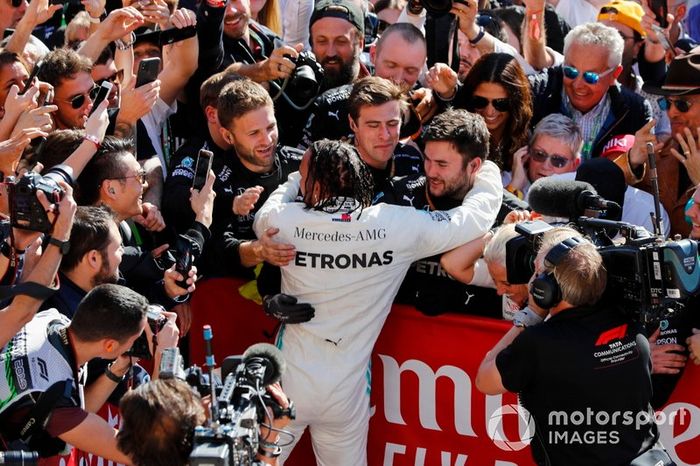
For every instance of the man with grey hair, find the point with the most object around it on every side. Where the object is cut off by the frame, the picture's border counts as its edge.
(585, 88)
(584, 373)
(555, 148)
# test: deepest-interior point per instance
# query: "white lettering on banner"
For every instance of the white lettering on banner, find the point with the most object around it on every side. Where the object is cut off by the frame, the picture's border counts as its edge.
(392, 449)
(692, 431)
(426, 393)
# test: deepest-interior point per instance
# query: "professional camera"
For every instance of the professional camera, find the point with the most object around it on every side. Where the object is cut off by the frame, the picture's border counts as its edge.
(26, 211)
(301, 88)
(238, 407)
(156, 321)
(649, 277)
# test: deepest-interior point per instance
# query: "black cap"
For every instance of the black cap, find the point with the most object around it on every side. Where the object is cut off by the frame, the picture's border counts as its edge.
(343, 9)
(683, 76)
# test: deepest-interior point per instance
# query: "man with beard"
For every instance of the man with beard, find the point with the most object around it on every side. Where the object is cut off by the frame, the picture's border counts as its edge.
(399, 56)
(456, 144)
(259, 164)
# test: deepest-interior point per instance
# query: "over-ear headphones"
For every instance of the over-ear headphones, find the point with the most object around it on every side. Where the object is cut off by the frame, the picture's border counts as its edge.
(545, 289)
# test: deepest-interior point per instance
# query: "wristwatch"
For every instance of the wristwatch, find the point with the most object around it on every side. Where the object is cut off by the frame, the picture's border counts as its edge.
(63, 246)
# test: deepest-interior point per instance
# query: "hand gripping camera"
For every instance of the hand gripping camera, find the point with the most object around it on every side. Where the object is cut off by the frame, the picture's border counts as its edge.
(26, 211)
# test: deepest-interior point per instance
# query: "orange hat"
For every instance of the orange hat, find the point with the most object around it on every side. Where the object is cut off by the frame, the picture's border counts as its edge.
(625, 12)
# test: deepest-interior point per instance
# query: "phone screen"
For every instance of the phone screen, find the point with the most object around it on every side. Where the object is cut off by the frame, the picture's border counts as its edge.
(102, 94)
(202, 168)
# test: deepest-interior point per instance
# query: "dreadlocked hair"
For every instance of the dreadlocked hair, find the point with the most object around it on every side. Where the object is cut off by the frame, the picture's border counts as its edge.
(341, 175)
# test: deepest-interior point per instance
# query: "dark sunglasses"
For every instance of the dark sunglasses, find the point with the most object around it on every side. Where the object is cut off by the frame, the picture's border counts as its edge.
(16, 3)
(79, 100)
(114, 79)
(477, 103)
(681, 105)
(557, 161)
(590, 77)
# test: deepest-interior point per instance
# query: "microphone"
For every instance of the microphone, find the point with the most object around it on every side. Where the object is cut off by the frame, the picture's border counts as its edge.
(566, 198)
(264, 363)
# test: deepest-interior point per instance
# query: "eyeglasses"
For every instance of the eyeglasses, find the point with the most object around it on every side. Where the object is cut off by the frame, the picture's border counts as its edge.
(557, 161)
(590, 77)
(681, 105)
(140, 176)
(79, 100)
(477, 103)
(115, 78)
(17, 3)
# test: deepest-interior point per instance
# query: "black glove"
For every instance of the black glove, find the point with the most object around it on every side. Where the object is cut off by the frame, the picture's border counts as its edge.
(284, 308)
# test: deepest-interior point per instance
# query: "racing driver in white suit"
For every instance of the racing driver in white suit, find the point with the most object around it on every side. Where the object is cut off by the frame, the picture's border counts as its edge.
(350, 260)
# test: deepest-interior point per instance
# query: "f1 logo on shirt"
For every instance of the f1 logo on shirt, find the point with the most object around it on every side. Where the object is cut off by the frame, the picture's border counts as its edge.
(617, 333)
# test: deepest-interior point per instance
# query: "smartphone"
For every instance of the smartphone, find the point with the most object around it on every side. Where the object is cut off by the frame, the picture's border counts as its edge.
(102, 94)
(202, 168)
(31, 77)
(660, 9)
(183, 259)
(148, 71)
(170, 36)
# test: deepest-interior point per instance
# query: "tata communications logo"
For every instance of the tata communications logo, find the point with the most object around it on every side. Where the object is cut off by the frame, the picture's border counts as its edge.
(496, 423)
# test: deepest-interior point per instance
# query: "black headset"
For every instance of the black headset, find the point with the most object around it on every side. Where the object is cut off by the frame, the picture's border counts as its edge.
(545, 289)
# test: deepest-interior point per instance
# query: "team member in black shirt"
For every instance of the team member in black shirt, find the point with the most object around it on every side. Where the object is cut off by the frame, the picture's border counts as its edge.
(584, 374)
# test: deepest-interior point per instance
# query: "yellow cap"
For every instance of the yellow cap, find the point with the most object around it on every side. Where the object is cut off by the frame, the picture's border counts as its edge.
(624, 12)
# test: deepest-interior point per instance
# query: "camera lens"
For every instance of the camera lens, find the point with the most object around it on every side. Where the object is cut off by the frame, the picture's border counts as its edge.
(437, 7)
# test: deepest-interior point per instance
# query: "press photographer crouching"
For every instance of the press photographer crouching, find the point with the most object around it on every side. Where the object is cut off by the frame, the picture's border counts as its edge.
(584, 373)
(45, 407)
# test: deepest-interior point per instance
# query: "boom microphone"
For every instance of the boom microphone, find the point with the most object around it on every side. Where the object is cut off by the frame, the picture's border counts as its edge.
(566, 198)
(264, 363)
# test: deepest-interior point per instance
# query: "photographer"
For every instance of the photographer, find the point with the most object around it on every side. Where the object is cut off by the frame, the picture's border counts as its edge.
(158, 419)
(559, 366)
(46, 411)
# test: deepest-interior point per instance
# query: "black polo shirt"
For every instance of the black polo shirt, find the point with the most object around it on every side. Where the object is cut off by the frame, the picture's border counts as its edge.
(585, 377)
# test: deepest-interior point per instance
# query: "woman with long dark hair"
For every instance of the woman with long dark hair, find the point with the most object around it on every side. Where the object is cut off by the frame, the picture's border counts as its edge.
(497, 89)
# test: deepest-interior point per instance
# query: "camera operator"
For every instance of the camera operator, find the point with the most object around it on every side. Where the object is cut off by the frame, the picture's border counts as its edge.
(582, 347)
(43, 390)
(158, 419)
(22, 308)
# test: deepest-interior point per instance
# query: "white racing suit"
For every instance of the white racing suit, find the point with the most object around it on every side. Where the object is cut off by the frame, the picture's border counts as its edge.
(348, 266)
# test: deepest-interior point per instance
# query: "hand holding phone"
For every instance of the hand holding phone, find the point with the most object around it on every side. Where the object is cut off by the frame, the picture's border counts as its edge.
(148, 71)
(102, 94)
(204, 161)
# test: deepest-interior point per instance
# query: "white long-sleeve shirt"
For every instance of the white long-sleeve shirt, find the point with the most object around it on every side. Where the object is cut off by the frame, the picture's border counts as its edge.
(349, 265)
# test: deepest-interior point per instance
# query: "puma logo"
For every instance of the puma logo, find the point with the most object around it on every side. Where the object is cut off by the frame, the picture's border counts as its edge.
(335, 114)
(409, 199)
(469, 298)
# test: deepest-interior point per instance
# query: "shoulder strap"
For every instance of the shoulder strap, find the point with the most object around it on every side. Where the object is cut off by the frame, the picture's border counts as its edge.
(39, 414)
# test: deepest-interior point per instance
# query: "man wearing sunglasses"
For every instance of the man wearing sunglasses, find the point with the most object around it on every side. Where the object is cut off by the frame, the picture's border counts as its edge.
(678, 162)
(74, 90)
(585, 88)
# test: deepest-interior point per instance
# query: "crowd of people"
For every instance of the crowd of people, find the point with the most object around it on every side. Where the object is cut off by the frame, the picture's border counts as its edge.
(354, 163)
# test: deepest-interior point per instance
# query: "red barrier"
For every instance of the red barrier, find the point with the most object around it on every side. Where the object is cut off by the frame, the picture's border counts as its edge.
(425, 408)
